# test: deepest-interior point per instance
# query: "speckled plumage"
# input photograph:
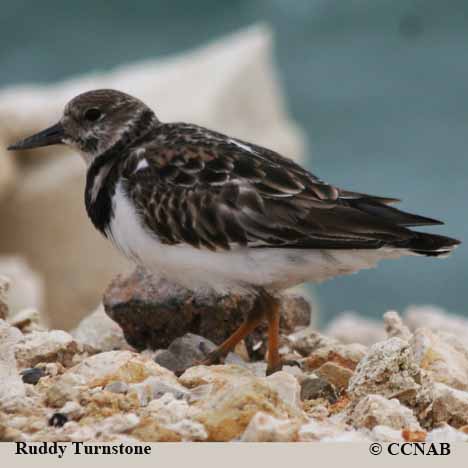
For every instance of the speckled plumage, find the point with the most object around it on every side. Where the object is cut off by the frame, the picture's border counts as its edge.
(210, 211)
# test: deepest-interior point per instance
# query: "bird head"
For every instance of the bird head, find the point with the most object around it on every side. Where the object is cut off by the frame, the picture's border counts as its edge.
(93, 122)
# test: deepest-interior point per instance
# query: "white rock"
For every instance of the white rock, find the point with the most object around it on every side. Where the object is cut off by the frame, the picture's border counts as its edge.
(437, 319)
(266, 428)
(375, 410)
(182, 88)
(124, 366)
(443, 356)
(386, 434)
(349, 327)
(189, 430)
(72, 409)
(316, 430)
(168, 410)
(117, 387)
(446, 433)
(394, 326)
(118, 423)
(287, 387)
(100, 332)
(154, 387)
(50, 346)
(387, 369)
(11, 385)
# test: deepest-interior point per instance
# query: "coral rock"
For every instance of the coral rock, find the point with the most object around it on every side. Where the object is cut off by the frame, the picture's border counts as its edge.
(443, 356)
(449, 406)
(388, 370)
(52, 346)
(11, 385)
(100, 332)
(266, 428)
(375, 410)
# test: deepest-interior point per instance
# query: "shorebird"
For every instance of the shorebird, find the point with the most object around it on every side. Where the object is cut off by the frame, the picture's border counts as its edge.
(209, 211)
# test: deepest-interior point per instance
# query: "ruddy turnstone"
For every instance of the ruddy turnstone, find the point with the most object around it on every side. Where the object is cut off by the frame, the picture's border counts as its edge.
(206, 210)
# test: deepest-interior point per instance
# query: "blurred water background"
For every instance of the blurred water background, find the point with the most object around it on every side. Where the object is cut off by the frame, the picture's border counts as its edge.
(380, 87)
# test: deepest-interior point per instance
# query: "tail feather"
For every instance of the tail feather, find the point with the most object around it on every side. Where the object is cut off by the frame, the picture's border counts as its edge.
(432, 245)
(393, 215)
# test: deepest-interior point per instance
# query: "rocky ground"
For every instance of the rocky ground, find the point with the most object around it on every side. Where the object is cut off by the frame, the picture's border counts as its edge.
(403, 379)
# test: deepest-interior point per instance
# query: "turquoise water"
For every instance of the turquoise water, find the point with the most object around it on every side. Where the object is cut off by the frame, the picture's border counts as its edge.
(380, 86)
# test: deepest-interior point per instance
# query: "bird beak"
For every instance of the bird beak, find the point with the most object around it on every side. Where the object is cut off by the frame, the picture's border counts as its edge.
(50, 136)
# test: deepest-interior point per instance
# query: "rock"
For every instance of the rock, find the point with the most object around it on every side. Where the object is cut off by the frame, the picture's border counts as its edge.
(315, 430)
(153, 312)
(349, 327)
(446, 433)
(11, 385)
(117, 387)
(153, 388)
(337, 375)
(63, 390)
(27, 320)
(387, 369)
(176, 88)
(313, 388)
(51, 346)
(437, 320)
(386, 434)
(118, 423)
(184, 352)
(448, 406)
(32, 375)
(394, 326)
(124, 366)
(307, 340)
(26, 286)
(287, 387)
(232, 395)
(347, 356)
(375, 410)
(335, 362)
(265, 428)
(4, 287)
(100, 332)
(72, 409)
(443, 356)
(167, 419)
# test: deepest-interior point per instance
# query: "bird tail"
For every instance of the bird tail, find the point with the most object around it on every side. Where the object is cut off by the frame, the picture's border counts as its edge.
(431, 245)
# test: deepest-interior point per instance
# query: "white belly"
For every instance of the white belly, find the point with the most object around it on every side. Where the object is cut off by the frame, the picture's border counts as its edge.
(235, 270)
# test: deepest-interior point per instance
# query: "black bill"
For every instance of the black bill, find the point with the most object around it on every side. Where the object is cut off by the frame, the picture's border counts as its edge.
(50, 136)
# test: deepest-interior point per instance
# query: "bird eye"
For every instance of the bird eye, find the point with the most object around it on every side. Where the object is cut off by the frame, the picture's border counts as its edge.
(92, 115)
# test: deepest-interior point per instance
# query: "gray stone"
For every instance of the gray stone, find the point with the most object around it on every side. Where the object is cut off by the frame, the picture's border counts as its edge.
(313, 388)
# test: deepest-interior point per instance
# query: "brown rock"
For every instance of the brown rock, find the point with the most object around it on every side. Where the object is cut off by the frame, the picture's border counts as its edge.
(337, 375)
(153, 312)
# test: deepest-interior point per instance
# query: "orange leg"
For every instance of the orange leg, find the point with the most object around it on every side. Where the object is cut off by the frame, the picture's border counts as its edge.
(273, 317)
(254, 318)
(265, 306)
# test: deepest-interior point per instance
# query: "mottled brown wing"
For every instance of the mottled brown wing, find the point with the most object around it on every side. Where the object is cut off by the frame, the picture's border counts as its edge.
(211, 191)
